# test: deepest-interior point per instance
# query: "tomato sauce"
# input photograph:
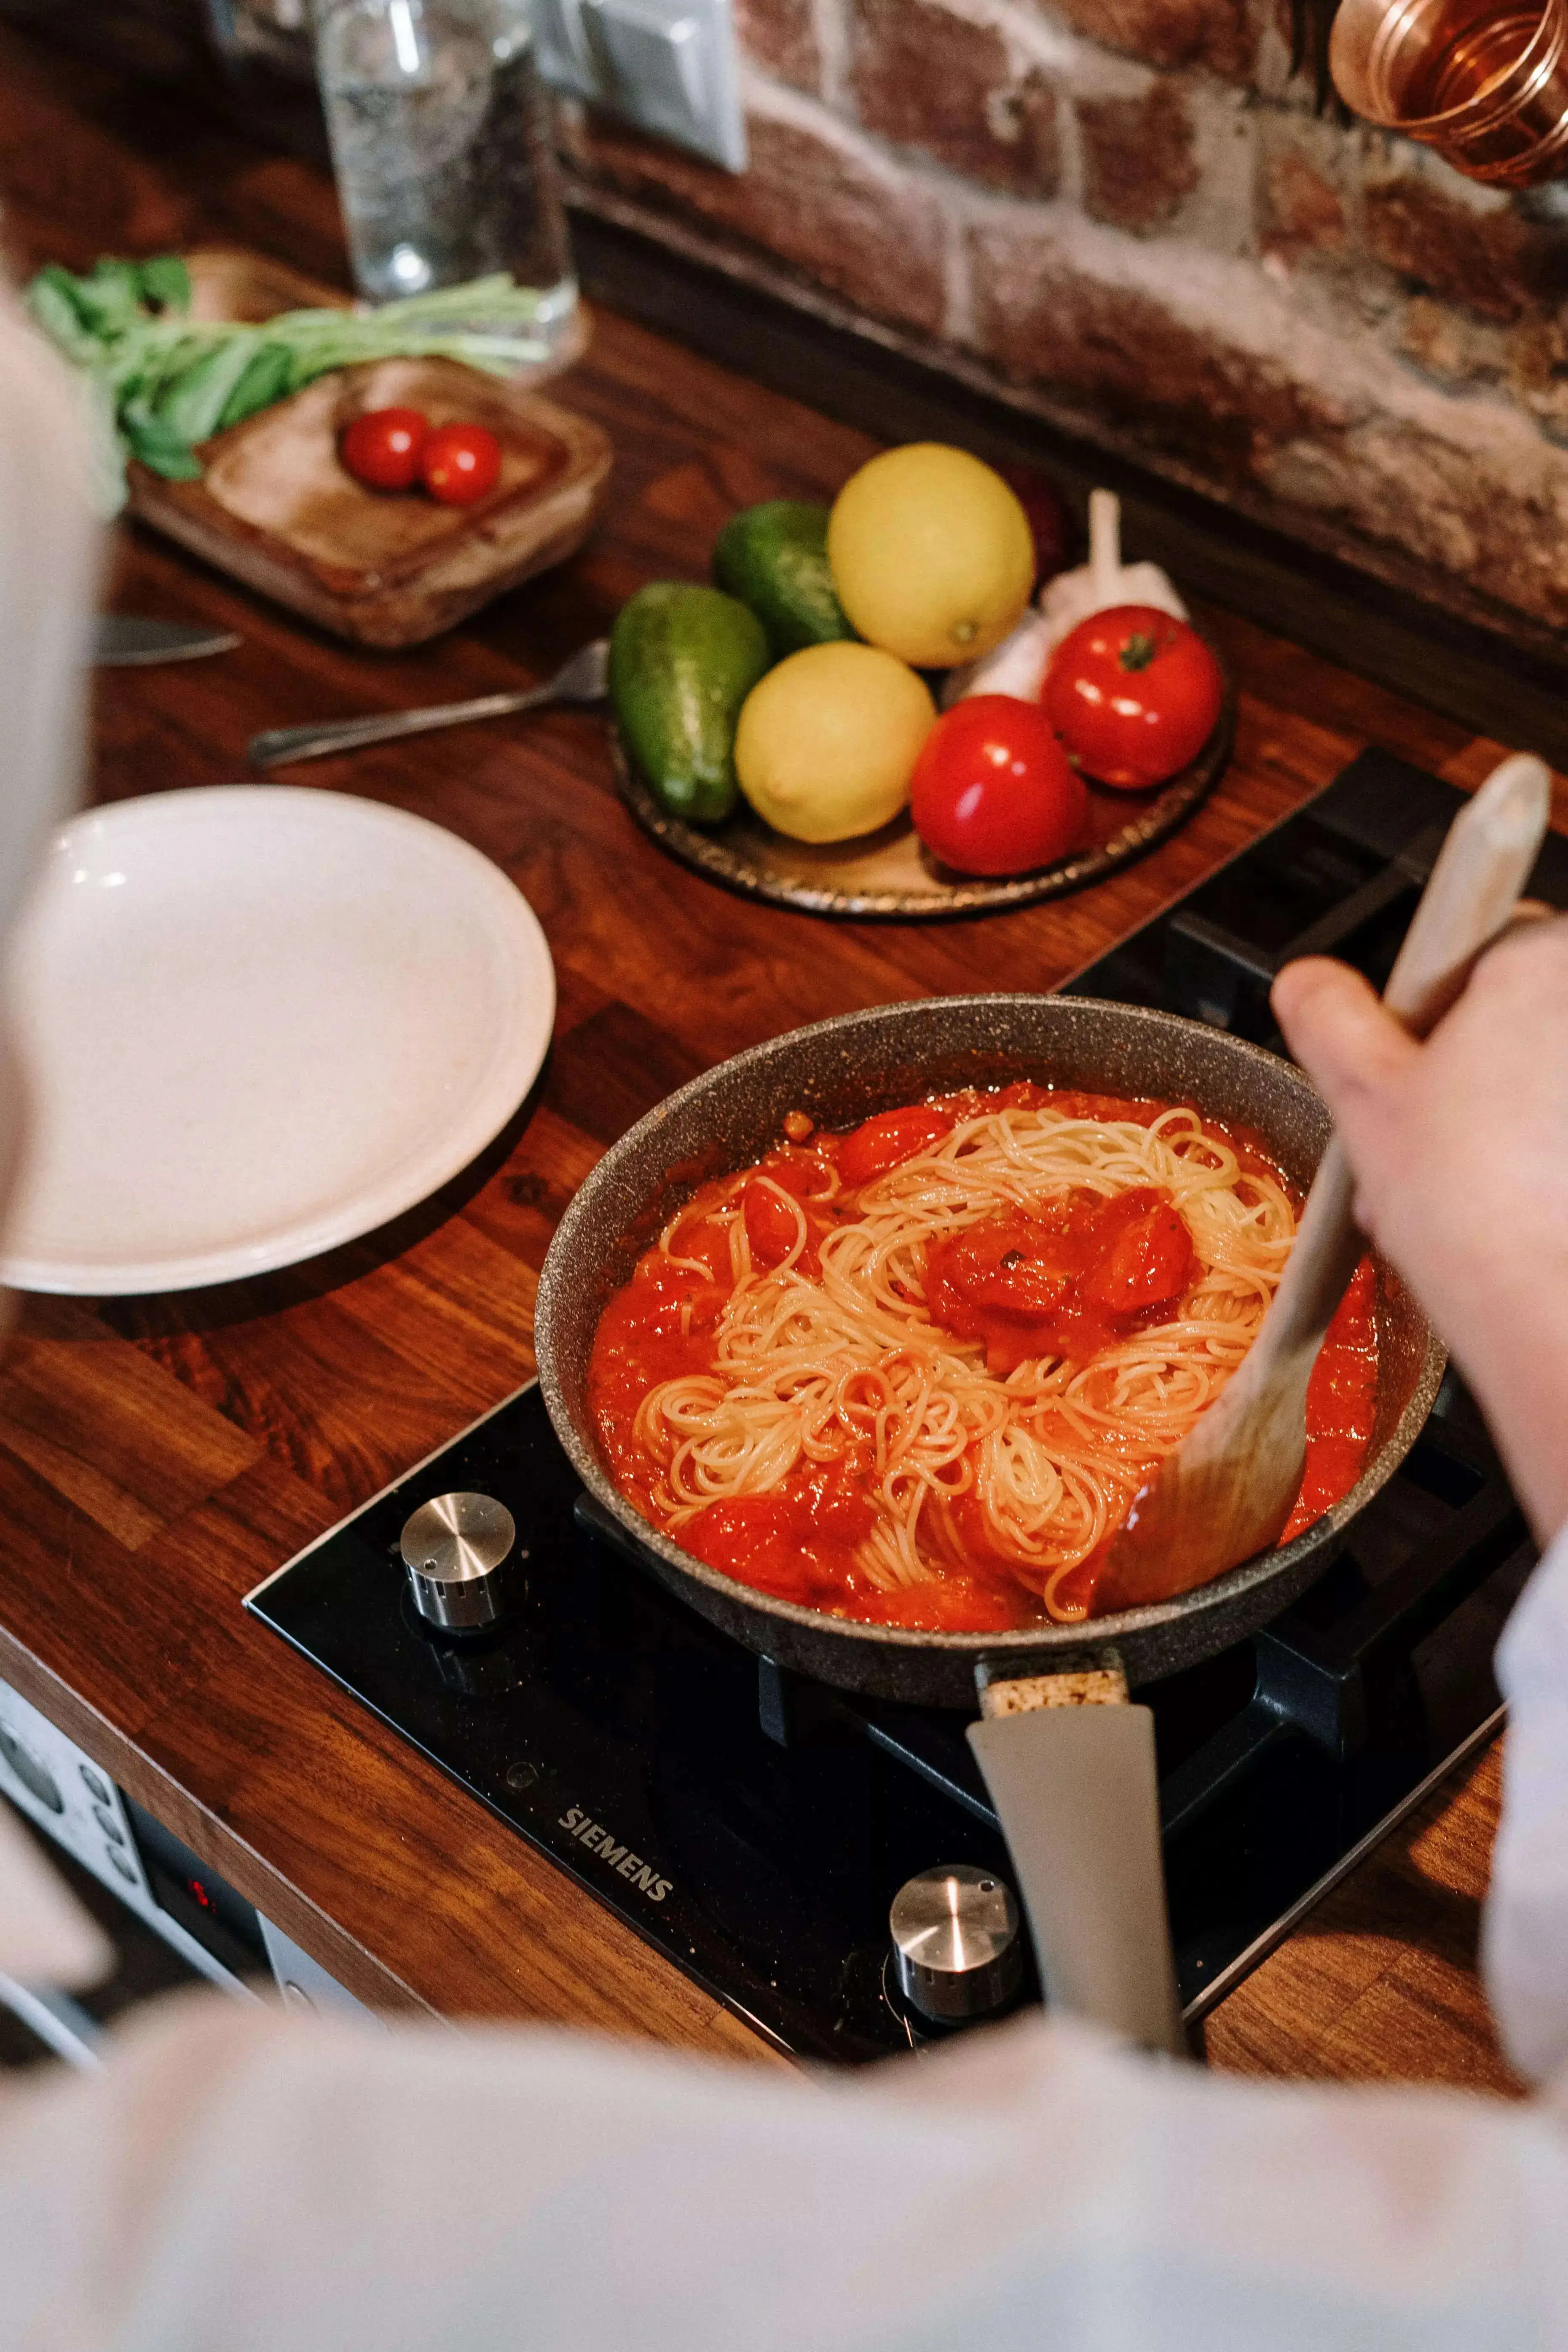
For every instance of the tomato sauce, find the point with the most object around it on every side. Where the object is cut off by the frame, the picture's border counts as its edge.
(1341, 1405)
(1069, 1280)
(1065, 1282)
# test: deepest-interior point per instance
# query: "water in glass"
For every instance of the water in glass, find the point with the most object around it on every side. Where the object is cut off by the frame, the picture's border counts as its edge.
(443, 147)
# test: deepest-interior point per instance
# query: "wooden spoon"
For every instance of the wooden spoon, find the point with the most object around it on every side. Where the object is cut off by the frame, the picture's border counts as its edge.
(1227, 1490)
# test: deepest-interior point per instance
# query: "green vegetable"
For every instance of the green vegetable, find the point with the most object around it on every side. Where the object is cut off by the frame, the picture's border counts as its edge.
(682, 661)
(108, 301)
(156, 443)
(166, 282)
(265, 380)
(156, 383)
(193, 403)
(774, 559)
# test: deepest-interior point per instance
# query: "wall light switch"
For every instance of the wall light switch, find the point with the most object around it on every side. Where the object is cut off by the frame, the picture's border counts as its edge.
(561, 40)
(668, 66)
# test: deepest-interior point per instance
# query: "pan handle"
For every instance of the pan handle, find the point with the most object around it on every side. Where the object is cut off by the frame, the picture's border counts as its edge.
(1069, 1762)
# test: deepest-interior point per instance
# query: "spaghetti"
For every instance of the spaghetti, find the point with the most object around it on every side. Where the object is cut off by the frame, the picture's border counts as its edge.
(917, 1374)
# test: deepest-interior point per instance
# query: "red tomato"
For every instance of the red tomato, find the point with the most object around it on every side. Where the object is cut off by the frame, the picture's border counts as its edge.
(772, 1227)
(890, 1137)
(382, 448)
(1066, 1282)
(836, 1500)
(460, 463)
(802, 1174)
(1134, 694)
(1146, 1256)
(992, 792)
(755, 1538)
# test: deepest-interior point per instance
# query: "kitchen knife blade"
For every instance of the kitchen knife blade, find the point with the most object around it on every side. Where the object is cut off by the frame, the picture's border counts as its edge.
(121, 640)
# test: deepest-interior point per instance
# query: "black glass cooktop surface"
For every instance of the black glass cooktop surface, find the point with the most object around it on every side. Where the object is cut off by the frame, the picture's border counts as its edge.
(754, 1827)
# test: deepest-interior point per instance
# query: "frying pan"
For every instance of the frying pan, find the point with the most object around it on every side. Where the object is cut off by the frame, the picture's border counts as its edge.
(1074, 1783)
(840, 1072)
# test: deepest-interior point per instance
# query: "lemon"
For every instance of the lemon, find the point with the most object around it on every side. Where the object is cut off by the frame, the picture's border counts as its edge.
(826, 740)
(931, 554)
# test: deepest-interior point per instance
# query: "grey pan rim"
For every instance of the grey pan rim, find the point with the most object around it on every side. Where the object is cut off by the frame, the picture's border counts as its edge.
(709, 855)
(895, 1661)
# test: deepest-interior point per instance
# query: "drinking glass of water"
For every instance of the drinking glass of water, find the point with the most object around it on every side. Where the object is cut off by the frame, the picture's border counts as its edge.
(443, 148)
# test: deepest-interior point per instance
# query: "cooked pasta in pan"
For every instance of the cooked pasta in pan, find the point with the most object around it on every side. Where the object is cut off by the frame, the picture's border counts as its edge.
(916, 1373)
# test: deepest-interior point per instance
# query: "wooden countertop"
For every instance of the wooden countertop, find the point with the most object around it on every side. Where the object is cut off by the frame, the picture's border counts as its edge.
(159, 1455)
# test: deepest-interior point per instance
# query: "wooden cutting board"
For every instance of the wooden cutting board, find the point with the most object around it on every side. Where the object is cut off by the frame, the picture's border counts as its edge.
(276, 509)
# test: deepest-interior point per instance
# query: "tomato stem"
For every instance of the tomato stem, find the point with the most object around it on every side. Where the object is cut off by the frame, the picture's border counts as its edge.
(1138, 651)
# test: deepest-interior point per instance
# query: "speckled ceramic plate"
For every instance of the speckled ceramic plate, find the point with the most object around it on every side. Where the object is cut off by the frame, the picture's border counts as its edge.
(891, 874)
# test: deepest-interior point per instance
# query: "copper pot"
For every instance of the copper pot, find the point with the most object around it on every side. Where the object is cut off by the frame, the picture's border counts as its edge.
(1483, 82)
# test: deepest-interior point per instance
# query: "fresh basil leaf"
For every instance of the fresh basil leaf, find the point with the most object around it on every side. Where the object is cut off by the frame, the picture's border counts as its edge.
(170, 381)
(147, 364)
(190, 403)
(265, 380)
(312, 360)
(166, 282)
(109, 296)
(159, 448)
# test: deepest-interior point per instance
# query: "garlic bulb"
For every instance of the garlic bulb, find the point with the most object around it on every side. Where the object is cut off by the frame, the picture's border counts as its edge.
(1104, 581)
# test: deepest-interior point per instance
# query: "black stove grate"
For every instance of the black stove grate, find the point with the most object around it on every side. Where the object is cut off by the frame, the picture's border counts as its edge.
(754, 1825)
(1339, 877)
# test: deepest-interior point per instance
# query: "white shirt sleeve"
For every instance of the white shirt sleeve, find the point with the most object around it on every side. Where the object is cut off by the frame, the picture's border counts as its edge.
(231, 2186)
(48, 564)
(1526, 1935)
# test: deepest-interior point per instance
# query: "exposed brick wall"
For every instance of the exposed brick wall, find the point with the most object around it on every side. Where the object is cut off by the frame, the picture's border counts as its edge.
(836, 208)
(1127, 210)
(925, 76)
(1140, 155)
(780, 35)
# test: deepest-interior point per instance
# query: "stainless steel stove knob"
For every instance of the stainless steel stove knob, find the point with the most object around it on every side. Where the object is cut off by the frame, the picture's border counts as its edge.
(453, 1548)
(956, 1944)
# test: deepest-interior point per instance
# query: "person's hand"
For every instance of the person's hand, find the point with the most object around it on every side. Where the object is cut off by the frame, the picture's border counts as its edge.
(1460, 1147)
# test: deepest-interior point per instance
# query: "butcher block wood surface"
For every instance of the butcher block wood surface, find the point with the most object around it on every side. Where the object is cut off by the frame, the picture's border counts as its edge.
(158, 1456)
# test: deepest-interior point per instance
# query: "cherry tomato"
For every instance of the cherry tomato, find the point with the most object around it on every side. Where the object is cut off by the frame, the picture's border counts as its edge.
(890, 1137)
(755, 1538)
(1134, 694)
(704, 1239)
(382, 448)
(992, 792)
(773, 1228)
(460, 463)
(1145, 1255)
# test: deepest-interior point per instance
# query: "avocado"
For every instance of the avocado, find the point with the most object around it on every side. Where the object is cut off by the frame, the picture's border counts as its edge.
(682, 661)
(774, 559)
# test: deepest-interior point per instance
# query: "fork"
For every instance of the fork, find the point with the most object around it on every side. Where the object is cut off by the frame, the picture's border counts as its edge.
(581, 679)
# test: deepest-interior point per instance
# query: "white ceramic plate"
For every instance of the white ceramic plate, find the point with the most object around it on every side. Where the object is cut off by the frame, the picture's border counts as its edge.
(258, 1020)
